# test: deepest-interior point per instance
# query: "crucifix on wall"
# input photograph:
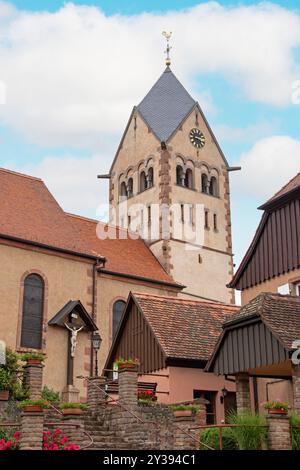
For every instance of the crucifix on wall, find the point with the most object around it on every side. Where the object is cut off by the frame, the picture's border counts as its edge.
(74, 318)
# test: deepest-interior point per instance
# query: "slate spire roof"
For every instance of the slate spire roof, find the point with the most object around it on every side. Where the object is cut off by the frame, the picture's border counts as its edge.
(166, 105)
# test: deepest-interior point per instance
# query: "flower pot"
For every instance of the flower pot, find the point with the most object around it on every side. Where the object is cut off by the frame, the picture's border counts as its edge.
(277, 411)
(33, 409)
(127, 365)
(72, 411)
(34, 362)
(182, 413)
(4, 395)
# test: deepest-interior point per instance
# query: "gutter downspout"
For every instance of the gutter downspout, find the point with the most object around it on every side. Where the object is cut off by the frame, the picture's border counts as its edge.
(100, 262)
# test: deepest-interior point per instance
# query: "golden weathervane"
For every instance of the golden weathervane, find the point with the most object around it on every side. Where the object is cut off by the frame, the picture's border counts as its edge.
(168, 35)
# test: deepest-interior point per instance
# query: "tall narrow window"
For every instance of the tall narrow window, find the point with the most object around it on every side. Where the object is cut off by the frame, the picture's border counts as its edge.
(143, 182)
(150, 178)
(123, 191)
(179, 175)
(188, 181)
(130, 187)
(182, 212)
(215, 222)
(32, 315)
(118, 309)
(206, 223)
(204, 183)
(213, 187)
(149, 214)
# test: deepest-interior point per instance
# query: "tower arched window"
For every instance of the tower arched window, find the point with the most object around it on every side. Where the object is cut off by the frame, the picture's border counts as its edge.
(179, 175)
(143, 181)
(213, 187)
(123, 190)
(130, 187)
(150, 178)
(33, 312)
(118, 309)
(188, 181)
(204, 183)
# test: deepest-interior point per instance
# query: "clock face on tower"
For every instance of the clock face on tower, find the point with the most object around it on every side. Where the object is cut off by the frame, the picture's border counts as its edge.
(197, 138)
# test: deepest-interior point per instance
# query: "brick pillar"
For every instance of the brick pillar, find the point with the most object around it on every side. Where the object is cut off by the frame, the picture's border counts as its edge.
(33, 380)
(243, 401)
(279, 432)
(296, 387)
(184, 437)
(128, 387)
(95, 398)
(32, 426)
(73, 427)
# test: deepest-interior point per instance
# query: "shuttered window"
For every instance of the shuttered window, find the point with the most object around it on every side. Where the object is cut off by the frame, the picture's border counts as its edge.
(32, 318)
(117, 314)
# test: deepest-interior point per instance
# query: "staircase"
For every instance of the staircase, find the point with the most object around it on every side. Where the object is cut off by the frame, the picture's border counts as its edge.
(103, 438)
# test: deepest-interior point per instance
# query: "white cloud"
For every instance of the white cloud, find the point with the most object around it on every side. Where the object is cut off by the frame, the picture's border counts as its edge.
(269, 165)
(73, 181)
(73, 76)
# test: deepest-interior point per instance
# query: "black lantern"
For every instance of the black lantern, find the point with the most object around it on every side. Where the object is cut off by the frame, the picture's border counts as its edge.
(96, 343)
(224, 394)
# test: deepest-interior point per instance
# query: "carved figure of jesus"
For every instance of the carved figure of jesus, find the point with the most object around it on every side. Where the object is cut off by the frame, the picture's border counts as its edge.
(73, 337)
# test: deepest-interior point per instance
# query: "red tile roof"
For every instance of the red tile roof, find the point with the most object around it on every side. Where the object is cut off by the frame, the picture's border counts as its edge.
(124, 255)
(280, 313)
(185, 329)
(290, 186)
(28, 211)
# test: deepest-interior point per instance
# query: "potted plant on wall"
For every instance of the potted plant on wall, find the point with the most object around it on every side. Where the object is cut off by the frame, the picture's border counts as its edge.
(5, 384)
(183, 411)
(33, 358)
(70, 408)
(276, 407)
(146, 397)
(33, 406)
(128, 363)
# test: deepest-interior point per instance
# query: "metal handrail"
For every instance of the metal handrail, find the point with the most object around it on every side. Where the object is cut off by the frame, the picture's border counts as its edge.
(222, 426)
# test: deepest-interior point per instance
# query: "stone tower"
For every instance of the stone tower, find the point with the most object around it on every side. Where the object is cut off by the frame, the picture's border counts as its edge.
(168, 156)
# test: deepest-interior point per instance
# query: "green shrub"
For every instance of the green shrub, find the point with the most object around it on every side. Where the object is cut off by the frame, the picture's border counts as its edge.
(250, 435)
(50, 395)
(41, 403)
(5, 379)
(295, 430)
(32, 355)
(211, 437)
(66, 405)
(194, 408)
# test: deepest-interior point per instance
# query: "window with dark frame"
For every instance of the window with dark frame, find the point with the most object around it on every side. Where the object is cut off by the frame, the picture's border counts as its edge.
(33, 312)
(118, 309)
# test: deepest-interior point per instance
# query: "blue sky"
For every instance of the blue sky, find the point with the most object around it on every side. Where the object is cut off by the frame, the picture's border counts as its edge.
(245, 90)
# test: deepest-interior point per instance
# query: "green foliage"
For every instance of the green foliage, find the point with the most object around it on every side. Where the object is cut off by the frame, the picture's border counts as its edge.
(295, 430)
(129, 360)
(32, 355)
(250, 435)
(14, 370)
(50, 395)
(41, 403)
(66, 405)
(276, 405)
(211, 437)
(194, 408)
(12, 362)
(5, 379)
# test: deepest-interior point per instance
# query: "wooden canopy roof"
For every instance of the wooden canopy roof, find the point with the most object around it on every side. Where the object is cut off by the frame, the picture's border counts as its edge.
(258, 340)
(275, 248)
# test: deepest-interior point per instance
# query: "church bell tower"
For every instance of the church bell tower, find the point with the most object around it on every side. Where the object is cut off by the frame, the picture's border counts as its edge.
(169, 157)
